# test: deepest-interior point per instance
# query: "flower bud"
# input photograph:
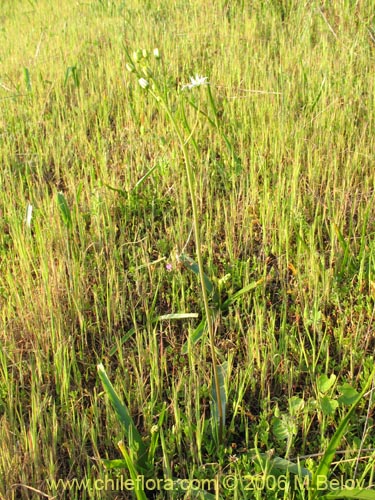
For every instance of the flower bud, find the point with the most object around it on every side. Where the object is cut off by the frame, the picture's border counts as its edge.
(130, 67)
(156, 53)
(143, 83)
(145, 53)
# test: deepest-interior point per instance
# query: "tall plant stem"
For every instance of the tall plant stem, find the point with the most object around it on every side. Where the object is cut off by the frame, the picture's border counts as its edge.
(193, 199)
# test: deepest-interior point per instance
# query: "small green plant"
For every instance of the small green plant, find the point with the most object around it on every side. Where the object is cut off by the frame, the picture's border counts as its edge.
(138, 455)
(320, 476)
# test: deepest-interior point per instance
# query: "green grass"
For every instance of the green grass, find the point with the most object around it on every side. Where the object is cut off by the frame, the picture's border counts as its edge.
(285, 195)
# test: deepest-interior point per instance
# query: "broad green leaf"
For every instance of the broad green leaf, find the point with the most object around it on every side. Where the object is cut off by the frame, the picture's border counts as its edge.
(349, 395)
(123, 416)
(280, 428)
(324, 383)
(296, 404)
(328, 405)
(285, 465)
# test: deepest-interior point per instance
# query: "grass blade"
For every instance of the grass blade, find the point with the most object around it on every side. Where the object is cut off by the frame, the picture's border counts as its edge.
(142, 179)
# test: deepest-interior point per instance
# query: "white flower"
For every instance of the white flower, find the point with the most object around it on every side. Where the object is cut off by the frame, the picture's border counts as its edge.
(156, 54)
(143, 83)
(29, 214)
(196, 81)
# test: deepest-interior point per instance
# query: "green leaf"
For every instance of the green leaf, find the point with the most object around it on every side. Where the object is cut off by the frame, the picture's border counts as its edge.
(354, 493)
(285, 465)
(117, 190)
(349, 395)
(117, 463)
(328, 405)
(178, 316)
(142, 179)
(26, 73)
(241, 292)
(296, 404)
(195, 336)
(64, 210)
(280, 428)
(131, 332)
(140, 494)
(324, 383)
(326, 461)
(190, 264)
(124, 339)
(202, 495)
(123, 417)
(222, 372)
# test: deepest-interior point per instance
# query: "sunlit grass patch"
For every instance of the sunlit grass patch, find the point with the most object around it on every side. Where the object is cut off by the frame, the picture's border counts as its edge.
(92, 272)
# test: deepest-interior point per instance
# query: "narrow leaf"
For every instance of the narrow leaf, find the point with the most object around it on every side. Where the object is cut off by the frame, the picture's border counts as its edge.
(142, 179)
(241, 292)
(178, 316)
(124, 339)
(195, 336)
(117, 463)
(354, 493)
(222, 371)
(190, 264)
(140, 494)
(117, 190)
(64, 210)
(122, 413)
(27, 79)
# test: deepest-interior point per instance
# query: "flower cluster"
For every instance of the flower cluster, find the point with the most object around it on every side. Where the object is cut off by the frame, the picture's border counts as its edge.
(141, 56)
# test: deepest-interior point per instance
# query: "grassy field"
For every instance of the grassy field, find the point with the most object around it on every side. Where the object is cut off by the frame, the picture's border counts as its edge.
(98, 247)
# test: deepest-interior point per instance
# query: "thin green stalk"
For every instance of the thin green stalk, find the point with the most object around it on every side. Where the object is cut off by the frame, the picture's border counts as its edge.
(210, 327)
